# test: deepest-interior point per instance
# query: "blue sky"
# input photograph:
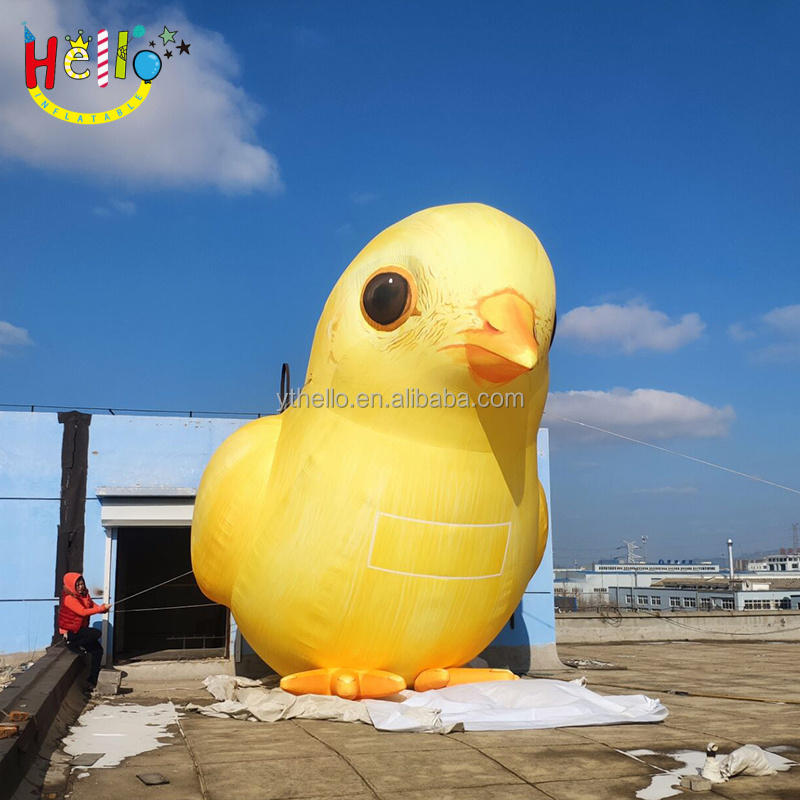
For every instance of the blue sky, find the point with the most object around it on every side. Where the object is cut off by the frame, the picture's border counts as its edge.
(176, 262)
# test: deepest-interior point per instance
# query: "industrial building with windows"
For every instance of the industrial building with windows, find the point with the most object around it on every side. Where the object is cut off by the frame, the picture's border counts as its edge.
(781, 562)
(588, 588)
(709, 594)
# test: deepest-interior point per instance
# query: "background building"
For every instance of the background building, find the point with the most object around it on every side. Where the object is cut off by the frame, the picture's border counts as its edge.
(782, 562)
(587, 588)
(709, 594)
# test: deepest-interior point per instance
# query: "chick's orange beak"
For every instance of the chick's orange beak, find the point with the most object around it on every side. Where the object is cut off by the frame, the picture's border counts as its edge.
(504, 347)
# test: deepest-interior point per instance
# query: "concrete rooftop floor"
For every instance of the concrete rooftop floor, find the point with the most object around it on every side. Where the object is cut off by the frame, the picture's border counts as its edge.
(225, 759)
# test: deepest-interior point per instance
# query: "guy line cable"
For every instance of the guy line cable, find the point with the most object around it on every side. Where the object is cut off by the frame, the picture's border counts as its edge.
(116, 602)
(150, 588)
(167, 608)
(673, 452)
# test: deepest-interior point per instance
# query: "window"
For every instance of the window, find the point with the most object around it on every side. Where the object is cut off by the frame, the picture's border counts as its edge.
(761, 605)
(655, 600)
(727, 603)
(689, 602)
(675, 602)
(642, 599)
(705, 604)
(628, 599)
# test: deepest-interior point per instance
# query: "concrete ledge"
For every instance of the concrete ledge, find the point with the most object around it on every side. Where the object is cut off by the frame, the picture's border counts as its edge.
(614, 626)
(17, 659)
(40, 691)
(166, 671)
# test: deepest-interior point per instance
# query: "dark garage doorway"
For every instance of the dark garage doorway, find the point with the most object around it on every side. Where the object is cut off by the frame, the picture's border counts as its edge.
(145, 557)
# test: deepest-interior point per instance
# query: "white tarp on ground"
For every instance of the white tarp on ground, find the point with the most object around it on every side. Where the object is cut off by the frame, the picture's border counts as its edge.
(505, 705)
(116, 732)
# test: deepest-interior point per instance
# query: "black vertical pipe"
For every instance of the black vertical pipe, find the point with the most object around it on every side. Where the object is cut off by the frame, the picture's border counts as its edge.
(286, 388)
(72, 524)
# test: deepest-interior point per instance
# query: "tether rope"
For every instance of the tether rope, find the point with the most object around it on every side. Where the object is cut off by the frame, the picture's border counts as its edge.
(673, 452)
(150, 588)
(116, 602)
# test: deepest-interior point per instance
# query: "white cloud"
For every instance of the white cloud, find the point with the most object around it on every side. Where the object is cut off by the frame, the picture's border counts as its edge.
(646, 414)
(778, 353)
(197, 128)
(309, 38)
(12, 337)
(631, 327)
(778, 333)
(739, 332)
(125, 208)
(363, 198)
(785, 319)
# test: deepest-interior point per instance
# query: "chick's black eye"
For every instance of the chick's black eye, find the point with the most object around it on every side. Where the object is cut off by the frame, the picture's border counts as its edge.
(386, 298)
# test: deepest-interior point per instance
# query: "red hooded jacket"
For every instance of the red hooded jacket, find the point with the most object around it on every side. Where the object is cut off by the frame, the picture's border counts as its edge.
(75, 609)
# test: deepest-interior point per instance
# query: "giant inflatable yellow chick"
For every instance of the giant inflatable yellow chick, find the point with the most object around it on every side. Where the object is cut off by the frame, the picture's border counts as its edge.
(366, 543)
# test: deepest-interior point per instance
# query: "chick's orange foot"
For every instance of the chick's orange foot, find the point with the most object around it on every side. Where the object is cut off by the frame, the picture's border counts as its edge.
(350, 684)
(439, 678)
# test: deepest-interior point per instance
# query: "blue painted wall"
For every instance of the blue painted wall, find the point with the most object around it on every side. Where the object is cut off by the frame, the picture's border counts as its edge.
(147, 453)
(124, 451)
(30, 468)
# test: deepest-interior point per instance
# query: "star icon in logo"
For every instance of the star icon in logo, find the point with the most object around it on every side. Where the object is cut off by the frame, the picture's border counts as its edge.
(184, 48)
(152, 44)
(168, 54)
(168, 35)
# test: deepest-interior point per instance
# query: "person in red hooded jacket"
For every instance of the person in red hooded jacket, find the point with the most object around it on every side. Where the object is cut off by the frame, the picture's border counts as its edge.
(73, 617)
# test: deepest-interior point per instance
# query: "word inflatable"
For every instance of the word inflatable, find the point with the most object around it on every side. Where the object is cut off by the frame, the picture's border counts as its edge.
(91, 118)
(146, 64)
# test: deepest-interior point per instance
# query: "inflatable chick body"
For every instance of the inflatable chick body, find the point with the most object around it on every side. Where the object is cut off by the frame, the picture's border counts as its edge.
(384, 539)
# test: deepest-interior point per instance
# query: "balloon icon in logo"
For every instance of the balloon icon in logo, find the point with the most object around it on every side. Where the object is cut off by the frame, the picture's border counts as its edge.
(138, 32)
(147, 64)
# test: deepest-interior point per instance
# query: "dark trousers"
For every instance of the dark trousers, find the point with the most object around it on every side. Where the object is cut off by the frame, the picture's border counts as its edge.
(89, 640)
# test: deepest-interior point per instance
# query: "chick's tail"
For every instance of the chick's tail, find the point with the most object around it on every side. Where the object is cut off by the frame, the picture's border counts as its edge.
(232, 493)
(544, 525)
